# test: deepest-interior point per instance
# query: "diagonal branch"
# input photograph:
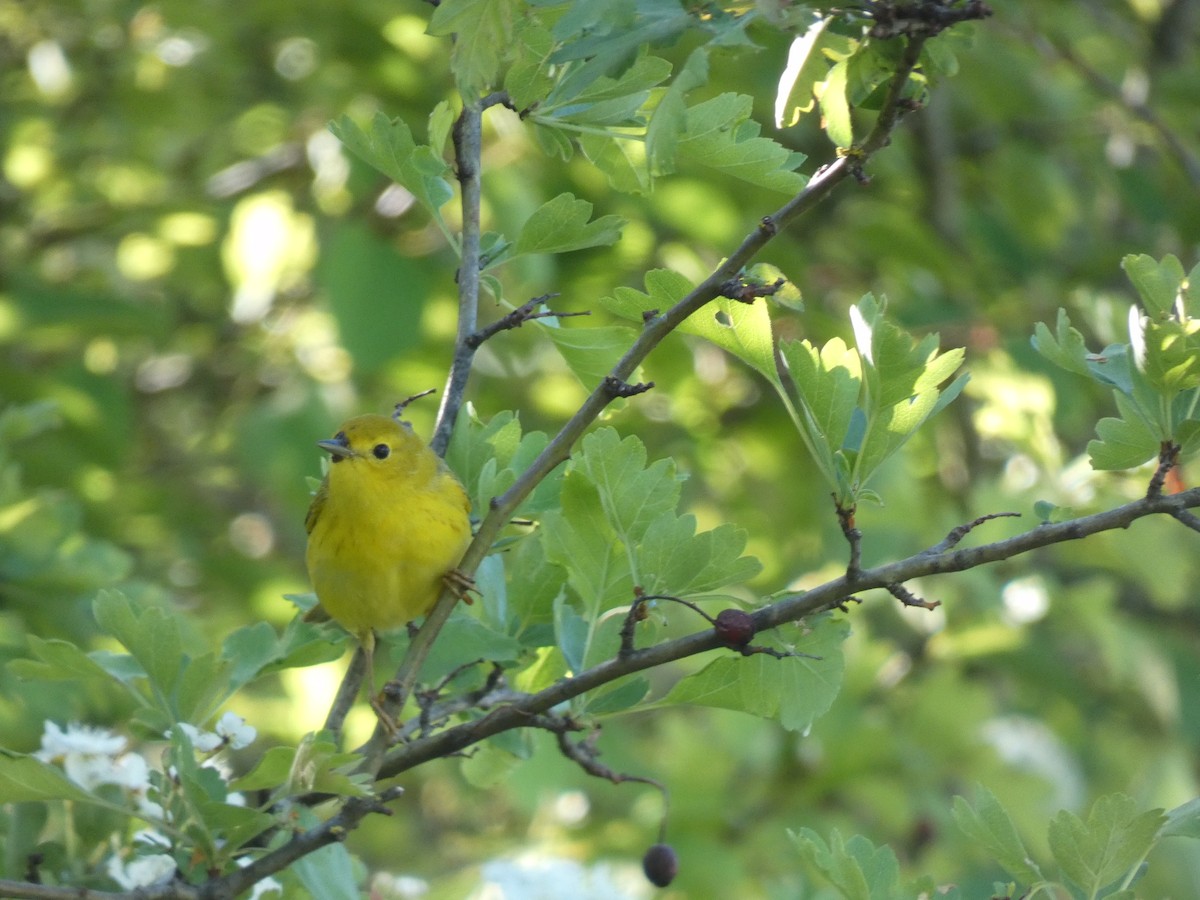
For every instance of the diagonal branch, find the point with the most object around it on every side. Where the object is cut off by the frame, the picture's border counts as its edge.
(830, 595)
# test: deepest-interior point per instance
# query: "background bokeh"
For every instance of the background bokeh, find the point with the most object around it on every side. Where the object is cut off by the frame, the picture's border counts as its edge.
(203, 283)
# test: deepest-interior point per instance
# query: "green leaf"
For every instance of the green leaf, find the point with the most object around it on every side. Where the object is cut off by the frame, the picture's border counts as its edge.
(989, 825)
(250, 650)
(1183, 821)
(669, 118)
(856, 867)
(805, 68)
(1126, 442)
(467, 639)
(389, 147)
(591, 352)
(835, 108)
(1115, 838)
(203, 686)
(235, 824)
(673, 559)
(571, 633)
(562, 224)
(1157, 283)
(528, 80)
(828, 383)
(793, 690)
(632, 494)
(57, 661)
(624, 694)
(482, 30)
(743, 329)
(623, 161)
(150, 635)
(26, 778)
(329, 873)
(1065, 348)
(720, 134)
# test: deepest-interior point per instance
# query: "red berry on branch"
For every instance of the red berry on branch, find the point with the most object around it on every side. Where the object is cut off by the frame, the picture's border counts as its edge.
(734, 627)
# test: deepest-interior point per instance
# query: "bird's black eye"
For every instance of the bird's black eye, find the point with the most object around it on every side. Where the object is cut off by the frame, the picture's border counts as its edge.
(381, 451)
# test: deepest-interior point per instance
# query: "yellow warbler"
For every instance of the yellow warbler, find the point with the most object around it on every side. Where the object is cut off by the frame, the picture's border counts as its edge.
(386, 529)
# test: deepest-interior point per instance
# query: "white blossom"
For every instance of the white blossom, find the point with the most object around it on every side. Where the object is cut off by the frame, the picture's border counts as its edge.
(233, 728)
(141, 871)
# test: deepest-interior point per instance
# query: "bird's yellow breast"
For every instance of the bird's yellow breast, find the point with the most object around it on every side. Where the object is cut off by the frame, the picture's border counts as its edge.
(383, 533)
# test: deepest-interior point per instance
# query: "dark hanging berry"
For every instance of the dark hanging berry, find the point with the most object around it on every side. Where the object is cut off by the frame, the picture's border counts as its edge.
(734, 627)
(660, 864)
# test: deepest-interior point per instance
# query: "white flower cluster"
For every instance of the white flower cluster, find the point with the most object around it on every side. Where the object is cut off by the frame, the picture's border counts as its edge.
(92, 757)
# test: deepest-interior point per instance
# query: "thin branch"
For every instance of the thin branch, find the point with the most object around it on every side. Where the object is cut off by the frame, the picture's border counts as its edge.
(1191, 521)
(347, 692)
(526, 312)
(333, 830)
(957, 534)
(845, 517)
(833, 594)
(468, 153)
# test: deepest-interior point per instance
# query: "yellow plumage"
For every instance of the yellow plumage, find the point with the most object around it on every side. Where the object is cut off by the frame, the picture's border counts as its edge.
(388, 524)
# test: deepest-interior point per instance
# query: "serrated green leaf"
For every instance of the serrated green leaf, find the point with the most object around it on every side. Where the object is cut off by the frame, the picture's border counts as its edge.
(329, 873)
(528, 80)
(562, 224)
(1125, 442)
(482, 30)
(25, 778)
(571, 632)
(669, 118)
(250, 649)
(625, 694)
(835, 107)
(467, 639)
(673, 559)
(203, 686)
(720, 135)
(389, 147)
(988, 824)
(793, 690)
(856, 867)
(632, 494)
(828, 382)
(805, 67)
(1065, 348)
(623, 161)
(1115, 838)
(271, 770)
(235, 824)
(743, 329)
(591, 352)
(150, 635)
(1157, 282)
(56, 661)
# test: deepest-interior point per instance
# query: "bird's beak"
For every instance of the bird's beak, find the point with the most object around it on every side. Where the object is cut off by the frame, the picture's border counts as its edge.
(337, 447)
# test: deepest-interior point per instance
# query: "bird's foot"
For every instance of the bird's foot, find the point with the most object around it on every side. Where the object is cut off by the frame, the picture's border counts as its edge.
(385, 718)
(462, 584)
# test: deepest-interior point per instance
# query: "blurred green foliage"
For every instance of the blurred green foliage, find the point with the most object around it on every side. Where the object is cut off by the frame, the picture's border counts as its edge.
(197, 281)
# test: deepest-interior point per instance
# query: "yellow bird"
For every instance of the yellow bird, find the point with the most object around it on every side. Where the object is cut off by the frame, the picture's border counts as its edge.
(386, 530)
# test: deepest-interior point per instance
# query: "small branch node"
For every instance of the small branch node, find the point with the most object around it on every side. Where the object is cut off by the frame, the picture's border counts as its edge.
(615, 387)
(1168, 458)
(841, 605)
(747, 292)
(845, 515)
(957, 534)
(768, 226)
(526, 312)
(908, 598)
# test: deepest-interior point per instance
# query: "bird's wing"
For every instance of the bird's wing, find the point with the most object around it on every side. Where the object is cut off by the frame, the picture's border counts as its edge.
(314, 509)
